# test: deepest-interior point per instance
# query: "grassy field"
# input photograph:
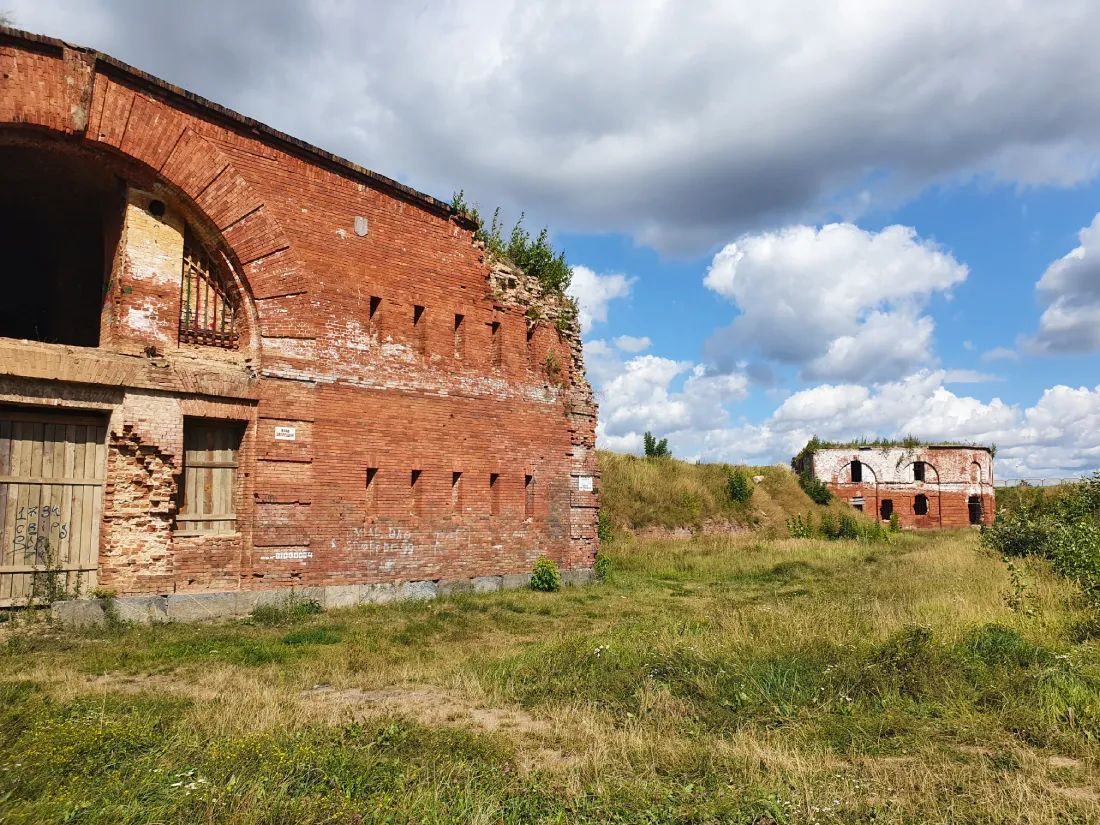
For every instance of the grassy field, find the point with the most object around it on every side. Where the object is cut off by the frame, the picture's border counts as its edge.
(726, 679)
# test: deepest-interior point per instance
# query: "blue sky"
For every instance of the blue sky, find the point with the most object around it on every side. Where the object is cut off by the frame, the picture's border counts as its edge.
(868, 217)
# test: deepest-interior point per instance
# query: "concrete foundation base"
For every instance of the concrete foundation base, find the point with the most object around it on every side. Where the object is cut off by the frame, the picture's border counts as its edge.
(195, 607)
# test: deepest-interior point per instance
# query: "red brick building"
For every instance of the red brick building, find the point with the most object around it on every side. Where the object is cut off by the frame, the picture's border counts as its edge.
(231, 362)
(931, 485)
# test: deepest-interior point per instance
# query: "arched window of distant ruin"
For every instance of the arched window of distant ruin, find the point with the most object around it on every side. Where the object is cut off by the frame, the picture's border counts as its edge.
(206, 311)
(975, 472)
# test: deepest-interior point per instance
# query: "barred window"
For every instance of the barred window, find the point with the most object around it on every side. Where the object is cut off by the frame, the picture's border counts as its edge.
(206, 313)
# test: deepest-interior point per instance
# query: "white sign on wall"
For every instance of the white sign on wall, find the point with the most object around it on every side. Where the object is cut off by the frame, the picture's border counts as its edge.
(286, 433)
(584, 484)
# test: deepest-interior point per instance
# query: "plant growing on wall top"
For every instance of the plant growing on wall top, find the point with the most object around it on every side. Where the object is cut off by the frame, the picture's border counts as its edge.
(909, 442)
(535, 257)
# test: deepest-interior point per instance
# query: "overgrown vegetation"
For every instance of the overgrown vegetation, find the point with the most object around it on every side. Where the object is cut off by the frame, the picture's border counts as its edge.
(545, 577)
(638, 493)
(909, 442)
(289, 609)
(724, 679)
(817, 490)
(1062, 526)
(654, 448)
(535, 256)
(846, 526)
(740, 487)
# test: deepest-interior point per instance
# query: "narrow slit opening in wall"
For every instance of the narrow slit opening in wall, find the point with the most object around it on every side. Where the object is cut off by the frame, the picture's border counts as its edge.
(528, 496)
(495, 354)
(372, 317)
(857, 472)
(460, 337)
(494, 493)
(530, 348)
(415, 491)
(420, 329)
(918, 471)
(456, 489)
(372, 488)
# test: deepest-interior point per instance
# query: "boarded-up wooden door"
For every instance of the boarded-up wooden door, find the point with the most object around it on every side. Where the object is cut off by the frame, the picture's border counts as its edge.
(208, 491)
(52, 469)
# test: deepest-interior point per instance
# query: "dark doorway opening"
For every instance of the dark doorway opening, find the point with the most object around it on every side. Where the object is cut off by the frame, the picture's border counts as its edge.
(974, 504)
(857, 473)
(60, 221)
(886, 509)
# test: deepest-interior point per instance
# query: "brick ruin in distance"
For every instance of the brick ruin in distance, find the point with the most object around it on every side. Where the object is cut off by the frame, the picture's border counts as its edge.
(927, 486)
(230, 361)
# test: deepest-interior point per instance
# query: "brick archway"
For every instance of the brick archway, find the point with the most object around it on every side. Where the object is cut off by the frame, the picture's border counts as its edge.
(74, 93)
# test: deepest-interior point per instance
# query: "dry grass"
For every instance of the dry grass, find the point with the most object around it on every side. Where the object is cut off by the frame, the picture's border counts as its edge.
(639, 493)
(722, 679)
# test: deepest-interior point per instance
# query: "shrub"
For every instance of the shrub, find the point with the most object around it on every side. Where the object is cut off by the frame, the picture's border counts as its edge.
(847, 528)
(602, 567)
(605, 529)
(800, 529)
(545, 577)
(895, 524)
(740, 488)
(816, 489)
(828, 528)
(1064, 529)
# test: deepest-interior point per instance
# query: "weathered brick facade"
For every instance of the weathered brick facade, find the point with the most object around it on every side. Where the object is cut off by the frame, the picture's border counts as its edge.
(368, 324)
(956, 489)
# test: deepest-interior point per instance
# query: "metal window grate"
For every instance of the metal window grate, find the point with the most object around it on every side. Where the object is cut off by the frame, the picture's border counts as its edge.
(206, 314)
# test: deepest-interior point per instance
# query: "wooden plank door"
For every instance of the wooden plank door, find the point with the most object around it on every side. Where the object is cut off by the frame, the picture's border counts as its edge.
(52, 469)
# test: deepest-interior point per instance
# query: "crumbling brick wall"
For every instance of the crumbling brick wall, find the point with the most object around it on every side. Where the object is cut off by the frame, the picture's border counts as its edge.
(372, 327)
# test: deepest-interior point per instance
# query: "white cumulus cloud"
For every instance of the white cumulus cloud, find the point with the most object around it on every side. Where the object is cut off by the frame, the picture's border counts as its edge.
(628, 343)
(839, 302)
(594, 292)
(1070, 292)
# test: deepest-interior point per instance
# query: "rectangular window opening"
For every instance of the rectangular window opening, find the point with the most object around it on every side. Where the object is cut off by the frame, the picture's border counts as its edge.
(886, 508)
(494, 494)
(460, 337)
(496, 356)
(920, 505)
(529, 497)
(208, 486)
(372, 488)
(456, 490)
(918, 471)
(857, 472)
(415, 493)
